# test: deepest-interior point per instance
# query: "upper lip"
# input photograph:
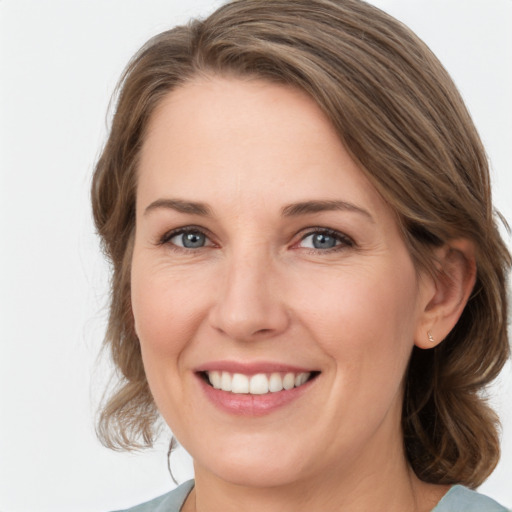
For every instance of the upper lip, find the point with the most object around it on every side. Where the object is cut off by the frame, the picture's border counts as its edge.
(251, 368)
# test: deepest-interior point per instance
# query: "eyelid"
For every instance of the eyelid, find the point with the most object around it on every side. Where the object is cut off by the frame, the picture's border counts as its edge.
(345, 240)
(168, 235)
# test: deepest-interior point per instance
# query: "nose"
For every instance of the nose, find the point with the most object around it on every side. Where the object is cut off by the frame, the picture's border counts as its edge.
(249, 304)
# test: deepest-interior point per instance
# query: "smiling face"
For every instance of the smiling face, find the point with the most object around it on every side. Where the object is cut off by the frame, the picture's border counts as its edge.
(264, 258)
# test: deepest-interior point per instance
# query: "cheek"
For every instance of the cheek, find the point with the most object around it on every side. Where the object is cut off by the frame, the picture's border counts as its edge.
(168, 306)
(364, 322)
(365, 318)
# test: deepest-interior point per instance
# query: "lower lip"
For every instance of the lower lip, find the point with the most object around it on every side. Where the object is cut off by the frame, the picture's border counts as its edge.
(252, 405)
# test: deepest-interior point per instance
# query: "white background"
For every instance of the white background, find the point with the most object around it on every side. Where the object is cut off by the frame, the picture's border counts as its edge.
(59, 62)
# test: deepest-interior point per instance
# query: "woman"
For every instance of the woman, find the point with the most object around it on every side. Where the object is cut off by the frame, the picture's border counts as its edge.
(308, 282)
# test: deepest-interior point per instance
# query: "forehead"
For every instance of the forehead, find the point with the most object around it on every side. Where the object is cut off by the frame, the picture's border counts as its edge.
(227, 138)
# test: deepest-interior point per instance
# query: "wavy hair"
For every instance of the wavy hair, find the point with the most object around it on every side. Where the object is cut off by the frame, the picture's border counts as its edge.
(400, 116)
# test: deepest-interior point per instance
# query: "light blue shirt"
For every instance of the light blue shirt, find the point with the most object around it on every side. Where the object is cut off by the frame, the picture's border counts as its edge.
(457, 499)
(462, 499)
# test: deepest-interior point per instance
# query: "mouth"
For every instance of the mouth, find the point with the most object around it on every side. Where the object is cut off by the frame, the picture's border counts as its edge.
(256, 384)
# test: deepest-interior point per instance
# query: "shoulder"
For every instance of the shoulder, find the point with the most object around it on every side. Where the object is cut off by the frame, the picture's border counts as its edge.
(170, 502)
(462, 499)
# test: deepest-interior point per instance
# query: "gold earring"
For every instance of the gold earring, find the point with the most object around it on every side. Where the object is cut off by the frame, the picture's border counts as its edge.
(430, 337)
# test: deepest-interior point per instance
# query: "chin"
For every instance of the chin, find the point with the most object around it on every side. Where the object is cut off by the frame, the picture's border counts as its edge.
(258, 475)
(260, 467)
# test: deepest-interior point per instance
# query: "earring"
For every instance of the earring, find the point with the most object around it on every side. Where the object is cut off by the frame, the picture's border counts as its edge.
(430, 337)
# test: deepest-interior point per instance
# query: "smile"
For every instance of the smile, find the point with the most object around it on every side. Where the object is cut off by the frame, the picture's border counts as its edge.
(254, 389)
(258, 384)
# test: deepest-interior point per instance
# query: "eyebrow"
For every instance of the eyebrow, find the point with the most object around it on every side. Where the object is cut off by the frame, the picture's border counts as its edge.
(308, 207)
(291, 210)
(181, 206)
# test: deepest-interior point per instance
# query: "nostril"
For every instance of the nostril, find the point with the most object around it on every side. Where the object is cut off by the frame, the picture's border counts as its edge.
(262, 331)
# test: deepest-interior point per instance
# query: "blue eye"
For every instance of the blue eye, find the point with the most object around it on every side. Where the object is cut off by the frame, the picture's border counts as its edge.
(325, 240)
(189, 239)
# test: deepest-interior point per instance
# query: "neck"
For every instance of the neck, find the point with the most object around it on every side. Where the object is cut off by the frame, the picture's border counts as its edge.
(349, 487)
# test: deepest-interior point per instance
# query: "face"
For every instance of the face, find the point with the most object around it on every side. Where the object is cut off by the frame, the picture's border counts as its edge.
(275, 301)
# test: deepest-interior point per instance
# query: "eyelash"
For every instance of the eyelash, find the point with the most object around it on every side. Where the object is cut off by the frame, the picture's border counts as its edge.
(344, 240)
(167, 237)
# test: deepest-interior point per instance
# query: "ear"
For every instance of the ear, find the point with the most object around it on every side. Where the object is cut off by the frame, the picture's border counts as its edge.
(445, 295)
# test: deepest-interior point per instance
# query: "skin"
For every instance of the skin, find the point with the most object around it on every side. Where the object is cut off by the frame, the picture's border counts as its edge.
(259, 291)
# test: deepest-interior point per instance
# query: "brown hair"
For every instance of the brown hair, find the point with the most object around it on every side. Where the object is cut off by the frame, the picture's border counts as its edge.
(400, 116)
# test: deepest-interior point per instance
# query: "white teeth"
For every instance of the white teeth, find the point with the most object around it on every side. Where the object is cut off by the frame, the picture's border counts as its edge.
(289, 381)
(226, 381)
(300, 379)
(240, 383)
(215, 380)
(259, 384)
(276, 383)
